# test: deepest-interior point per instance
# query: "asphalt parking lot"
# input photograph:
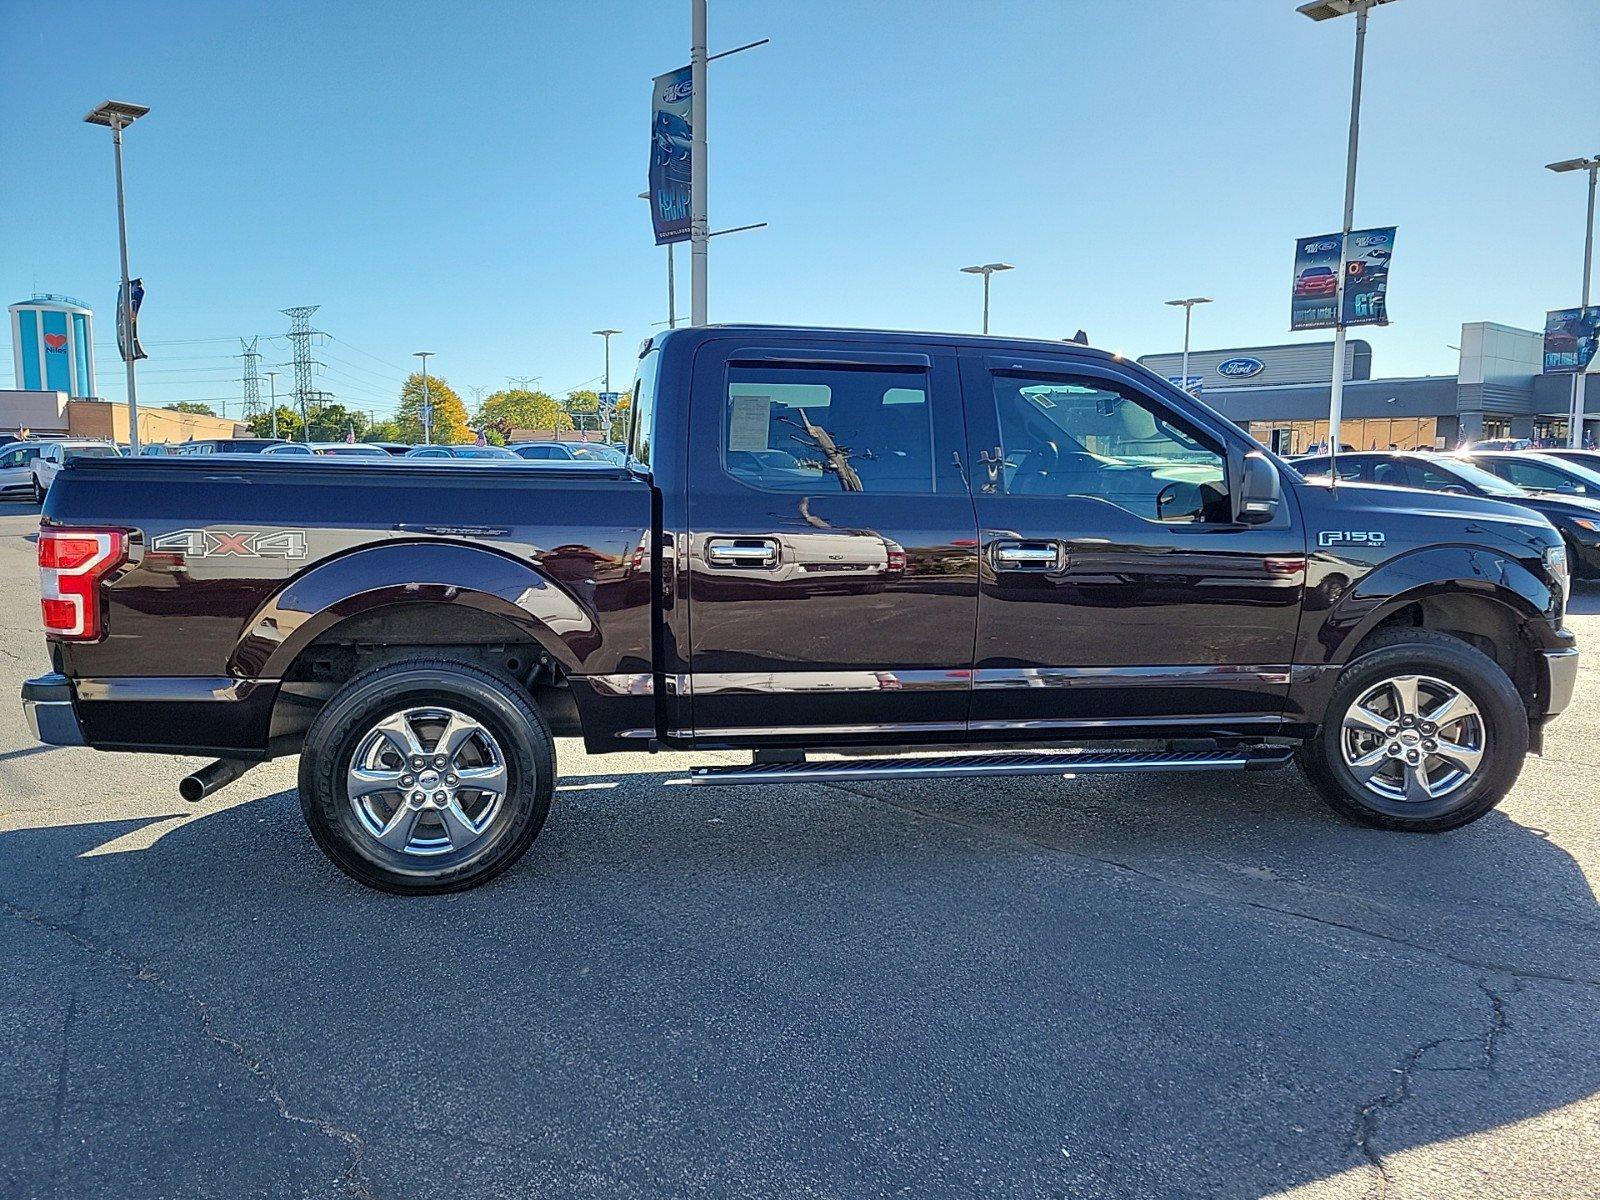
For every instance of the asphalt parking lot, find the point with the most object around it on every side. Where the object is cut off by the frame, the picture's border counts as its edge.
(1174, 986)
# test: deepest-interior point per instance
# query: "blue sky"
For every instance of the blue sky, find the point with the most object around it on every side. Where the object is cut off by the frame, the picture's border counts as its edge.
(462, 178)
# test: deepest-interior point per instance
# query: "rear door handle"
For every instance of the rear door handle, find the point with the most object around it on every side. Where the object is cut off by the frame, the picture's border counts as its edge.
(757, 552)
(1048, 555)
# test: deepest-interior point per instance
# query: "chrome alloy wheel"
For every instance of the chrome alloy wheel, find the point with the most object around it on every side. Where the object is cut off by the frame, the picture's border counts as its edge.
(427, 781)
(1413, 738)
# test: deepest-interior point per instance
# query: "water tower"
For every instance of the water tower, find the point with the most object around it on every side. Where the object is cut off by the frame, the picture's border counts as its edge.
(53, 343)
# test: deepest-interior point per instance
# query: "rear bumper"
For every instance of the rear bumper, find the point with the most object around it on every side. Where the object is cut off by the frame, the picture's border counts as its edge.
(1561, 679)
(47, 704)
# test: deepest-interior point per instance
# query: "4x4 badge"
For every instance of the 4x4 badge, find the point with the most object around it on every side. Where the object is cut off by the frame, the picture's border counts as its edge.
(221, 543)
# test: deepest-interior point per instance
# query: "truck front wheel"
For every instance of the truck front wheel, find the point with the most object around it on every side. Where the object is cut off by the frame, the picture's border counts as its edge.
(426, 776)
(1424, 733)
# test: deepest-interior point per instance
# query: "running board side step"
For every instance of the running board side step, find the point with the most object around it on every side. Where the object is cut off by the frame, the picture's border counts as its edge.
(963, 766)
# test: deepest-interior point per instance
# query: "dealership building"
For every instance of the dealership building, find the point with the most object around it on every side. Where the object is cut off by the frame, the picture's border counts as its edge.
(1281, 393)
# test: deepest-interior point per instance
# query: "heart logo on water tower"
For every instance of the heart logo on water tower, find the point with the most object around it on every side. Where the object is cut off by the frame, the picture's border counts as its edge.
(55, 341)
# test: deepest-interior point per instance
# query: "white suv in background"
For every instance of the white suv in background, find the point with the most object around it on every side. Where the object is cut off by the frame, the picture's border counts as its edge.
(16, 468)
(56, 453)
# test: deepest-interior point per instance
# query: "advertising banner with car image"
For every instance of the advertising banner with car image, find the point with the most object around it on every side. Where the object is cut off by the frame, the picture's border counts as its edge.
(670, 155)
(1571, 336)
(1316, 279)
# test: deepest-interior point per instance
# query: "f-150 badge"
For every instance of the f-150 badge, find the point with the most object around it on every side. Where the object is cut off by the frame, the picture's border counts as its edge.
(1349, 537)
(222, 543)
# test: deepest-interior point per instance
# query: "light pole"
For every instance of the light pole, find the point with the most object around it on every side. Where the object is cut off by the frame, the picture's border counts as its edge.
(605, 406)
(672, 283)
(427, 401)
(272, 386)
(699, 209)
(986, 270)
(1324, 10)
(1579, 408)
(1188, 311)
(117, 114)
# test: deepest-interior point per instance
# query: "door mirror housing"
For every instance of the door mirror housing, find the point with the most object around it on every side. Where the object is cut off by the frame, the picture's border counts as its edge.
(1260, 491)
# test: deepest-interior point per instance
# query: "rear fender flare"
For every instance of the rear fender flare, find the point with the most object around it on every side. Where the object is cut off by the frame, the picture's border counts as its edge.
(445, 573)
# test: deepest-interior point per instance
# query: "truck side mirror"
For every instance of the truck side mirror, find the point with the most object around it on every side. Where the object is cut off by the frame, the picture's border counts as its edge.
(1260, 491)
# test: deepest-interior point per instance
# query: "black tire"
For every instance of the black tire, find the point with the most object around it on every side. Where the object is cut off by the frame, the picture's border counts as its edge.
(38, 492)
(496, 704)
(1504, 726)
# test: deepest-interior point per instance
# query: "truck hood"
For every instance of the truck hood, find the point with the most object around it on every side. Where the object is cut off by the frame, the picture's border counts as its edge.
(1352, 501)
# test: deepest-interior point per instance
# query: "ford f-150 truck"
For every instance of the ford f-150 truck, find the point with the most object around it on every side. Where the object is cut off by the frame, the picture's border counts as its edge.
(860, 555)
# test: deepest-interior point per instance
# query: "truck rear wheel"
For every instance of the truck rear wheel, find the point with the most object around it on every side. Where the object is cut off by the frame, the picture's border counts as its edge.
(1423, 733)
(426, 775)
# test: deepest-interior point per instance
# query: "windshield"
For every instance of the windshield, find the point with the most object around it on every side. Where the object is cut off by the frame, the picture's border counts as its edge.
(92, 452)
(1491, 485)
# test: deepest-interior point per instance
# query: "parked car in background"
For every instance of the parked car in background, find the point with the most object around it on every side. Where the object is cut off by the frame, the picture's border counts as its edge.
(327, 450)
(568, 452)
(398, 449)
(1501, 444)
(16, 467)
(245, 445)
(1576, 519)
(53, 455)
(1540, 472)
(495, 452)
(157, 450)
(1589, 459)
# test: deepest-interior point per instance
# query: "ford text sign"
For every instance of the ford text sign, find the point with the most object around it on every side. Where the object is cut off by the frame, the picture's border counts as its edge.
(1241, 368)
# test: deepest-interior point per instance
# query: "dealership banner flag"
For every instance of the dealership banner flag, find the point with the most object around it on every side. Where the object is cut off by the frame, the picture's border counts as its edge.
(128, 337)
(1571, 336)
(670, 155)
(1366, 286)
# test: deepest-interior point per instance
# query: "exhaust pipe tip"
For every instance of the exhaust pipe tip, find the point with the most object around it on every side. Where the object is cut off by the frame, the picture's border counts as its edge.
(212, 777)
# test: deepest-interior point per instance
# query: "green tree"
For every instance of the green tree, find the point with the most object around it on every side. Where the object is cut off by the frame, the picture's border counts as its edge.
(289, 427)
(386, 430)
(191, 406)
(518, 408)
(331, 422)
(584, 406)
(449, 414)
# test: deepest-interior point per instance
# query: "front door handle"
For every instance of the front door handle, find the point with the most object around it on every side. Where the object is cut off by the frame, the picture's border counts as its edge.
(1048, 555)
(757, 552)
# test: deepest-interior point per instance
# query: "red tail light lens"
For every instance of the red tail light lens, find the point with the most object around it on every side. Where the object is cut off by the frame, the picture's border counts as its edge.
(72, 562)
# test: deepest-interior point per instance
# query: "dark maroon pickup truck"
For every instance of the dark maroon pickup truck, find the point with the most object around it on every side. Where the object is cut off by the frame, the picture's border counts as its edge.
(1011, 557)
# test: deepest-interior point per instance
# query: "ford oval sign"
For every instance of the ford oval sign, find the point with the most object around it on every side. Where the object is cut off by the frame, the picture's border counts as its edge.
(1241, 368)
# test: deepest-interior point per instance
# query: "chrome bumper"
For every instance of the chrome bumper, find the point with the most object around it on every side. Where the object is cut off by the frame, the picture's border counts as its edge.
(47, 703)
(1561, 671)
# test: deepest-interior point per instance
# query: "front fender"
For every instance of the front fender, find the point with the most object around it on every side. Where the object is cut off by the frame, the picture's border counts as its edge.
(1343, 604)
(446, 573)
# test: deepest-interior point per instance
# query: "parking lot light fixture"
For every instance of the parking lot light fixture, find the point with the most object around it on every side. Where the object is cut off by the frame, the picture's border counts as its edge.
(604, 406)
(1578, 408)
(1188, 311)
(986, 270)
(116, 115)
(1323, 10)
(427, 401)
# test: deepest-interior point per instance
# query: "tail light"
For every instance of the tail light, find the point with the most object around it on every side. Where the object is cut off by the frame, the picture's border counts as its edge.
(897, 559)
(72, 564)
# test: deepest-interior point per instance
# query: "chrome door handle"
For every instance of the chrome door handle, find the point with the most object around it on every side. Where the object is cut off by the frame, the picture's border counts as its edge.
(742, 552)
(1029, 556)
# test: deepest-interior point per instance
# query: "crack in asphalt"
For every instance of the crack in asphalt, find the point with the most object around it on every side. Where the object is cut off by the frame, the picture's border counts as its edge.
(1367, 1122)
(1195, 888)
(354, 1176)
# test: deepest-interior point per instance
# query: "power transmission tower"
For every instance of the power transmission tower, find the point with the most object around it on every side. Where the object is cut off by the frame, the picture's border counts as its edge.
(252, 378)
(300, 335)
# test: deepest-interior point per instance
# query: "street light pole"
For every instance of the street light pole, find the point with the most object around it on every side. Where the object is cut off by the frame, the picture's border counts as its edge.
(272, 385)
(1322, 10)
(1579, 407)
(427, 401)
(986, 270)
(117, 114)
(605, 405)
(1188, 310)
(699, 210)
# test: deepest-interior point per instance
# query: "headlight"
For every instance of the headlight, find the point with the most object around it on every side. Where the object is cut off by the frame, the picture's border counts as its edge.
(1586, 523)
(1555, 561)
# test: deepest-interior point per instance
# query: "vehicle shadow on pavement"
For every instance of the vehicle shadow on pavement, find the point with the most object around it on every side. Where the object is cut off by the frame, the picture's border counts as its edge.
(1118, 987)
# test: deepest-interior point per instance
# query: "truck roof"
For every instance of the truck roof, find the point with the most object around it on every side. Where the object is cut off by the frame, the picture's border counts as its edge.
(847, 336)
